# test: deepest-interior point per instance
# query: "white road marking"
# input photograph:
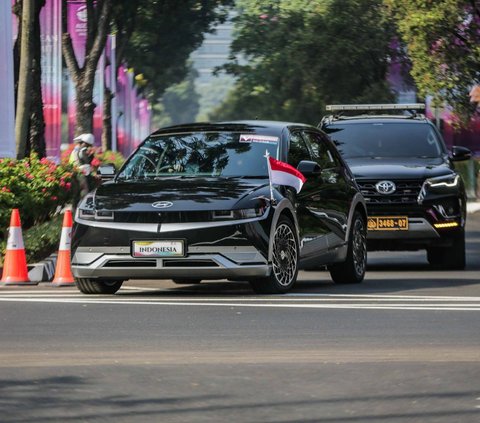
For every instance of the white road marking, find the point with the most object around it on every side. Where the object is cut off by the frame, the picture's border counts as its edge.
(292, 300)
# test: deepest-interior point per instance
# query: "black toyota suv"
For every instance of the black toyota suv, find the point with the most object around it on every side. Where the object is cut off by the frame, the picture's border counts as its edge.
(415, 198)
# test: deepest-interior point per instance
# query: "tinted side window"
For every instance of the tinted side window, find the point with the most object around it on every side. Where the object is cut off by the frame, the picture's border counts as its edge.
(322, 151)
(298, 150)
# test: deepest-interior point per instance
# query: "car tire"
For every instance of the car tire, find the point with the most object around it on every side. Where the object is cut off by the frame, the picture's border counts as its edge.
(95, 286)
(186, 281)
(352, 270)
(285, 255)
(451, 257)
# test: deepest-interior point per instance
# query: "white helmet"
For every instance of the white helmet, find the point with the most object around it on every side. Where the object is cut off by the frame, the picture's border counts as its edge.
(86, 138)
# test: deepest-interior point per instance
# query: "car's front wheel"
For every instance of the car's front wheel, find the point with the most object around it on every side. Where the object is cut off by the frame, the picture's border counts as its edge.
(285, 253)
(451, 257)
(352, 270)
(96, 286)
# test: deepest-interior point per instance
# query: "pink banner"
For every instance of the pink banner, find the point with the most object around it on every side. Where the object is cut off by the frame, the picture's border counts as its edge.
(50, 27)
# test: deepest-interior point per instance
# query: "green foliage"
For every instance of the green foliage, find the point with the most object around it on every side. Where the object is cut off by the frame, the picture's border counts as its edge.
(443, 43)
(212, 94)
(156, 37)
(304, 54)
(180, 101)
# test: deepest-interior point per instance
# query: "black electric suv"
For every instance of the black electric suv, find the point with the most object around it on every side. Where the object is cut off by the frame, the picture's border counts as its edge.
(415, 198)
(194, 202)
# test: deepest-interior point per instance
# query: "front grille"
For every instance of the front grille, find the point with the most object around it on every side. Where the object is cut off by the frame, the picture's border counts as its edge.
(130, 263)
(406, 193)
(189, 263)
(163, 217)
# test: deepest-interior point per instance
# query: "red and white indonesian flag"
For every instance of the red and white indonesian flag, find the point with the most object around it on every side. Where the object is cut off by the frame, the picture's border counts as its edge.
(282, 173)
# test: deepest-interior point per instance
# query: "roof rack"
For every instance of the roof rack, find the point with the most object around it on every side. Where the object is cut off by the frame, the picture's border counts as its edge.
(360, 107)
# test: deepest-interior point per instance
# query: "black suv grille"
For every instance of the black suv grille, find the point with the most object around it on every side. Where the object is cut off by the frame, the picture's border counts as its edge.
(406, 193)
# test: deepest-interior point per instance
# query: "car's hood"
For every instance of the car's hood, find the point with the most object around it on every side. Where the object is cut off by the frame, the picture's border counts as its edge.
(184, 193)
(398, 168)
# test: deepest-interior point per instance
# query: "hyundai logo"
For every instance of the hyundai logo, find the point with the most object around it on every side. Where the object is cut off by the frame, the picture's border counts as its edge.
(162, 204)
(385, 187)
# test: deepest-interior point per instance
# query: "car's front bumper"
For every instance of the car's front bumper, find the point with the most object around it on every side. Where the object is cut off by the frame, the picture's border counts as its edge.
(213, 250)
(418, 228)
(200, 262)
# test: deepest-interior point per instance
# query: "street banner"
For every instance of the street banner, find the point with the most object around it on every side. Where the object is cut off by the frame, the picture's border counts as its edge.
(120, 97)
(51, 45)
(111, 83)
(7, 103)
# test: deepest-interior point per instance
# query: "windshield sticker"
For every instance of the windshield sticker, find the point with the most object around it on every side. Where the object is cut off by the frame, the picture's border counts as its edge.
(263, 139)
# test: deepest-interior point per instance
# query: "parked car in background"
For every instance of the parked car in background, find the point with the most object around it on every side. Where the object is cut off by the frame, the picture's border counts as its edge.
(195, 202)
(415, 198)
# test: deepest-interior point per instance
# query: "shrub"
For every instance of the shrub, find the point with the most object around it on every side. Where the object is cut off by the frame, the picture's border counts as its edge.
(37, 187)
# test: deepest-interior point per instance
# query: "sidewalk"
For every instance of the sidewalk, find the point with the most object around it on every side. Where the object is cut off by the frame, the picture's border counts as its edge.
(473, 206)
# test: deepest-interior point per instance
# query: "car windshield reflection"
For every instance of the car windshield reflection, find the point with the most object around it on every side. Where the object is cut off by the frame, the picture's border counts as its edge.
(217, 154)
(381, 140)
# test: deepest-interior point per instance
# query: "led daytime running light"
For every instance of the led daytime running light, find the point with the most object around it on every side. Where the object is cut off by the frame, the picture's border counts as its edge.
(446, 225)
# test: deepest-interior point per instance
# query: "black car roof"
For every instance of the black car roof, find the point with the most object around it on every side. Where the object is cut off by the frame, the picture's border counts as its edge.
(260, 126)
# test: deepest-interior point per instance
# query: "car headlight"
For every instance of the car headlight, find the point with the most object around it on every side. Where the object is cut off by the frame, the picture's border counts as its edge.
(239, 213)
(86, 209)
(439, 185)
(447, 181)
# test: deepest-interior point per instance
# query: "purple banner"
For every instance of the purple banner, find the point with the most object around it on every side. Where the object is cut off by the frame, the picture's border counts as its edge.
(51, 44)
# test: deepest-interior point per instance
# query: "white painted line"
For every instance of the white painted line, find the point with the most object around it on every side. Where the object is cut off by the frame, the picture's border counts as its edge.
(330, 298)
(432, 307)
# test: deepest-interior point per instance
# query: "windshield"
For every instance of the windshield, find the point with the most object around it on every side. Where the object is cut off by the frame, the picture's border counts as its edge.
(206, 154)
(385, 140)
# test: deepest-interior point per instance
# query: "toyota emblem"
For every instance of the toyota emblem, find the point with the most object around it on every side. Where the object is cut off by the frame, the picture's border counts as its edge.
(162, 204)
(385, 187)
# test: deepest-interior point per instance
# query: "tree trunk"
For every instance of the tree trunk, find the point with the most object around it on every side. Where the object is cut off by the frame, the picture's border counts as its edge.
(24, 78)
(98, 25)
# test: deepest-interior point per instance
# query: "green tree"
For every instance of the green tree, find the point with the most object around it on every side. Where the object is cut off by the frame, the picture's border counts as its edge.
(156, 37)
(442, 38)
(302, 54)
(181, 100)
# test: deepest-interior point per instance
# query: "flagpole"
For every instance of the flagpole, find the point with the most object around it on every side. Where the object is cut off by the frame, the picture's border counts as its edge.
(267, 156)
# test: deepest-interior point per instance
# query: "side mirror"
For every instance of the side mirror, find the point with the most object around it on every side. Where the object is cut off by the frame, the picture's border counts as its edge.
(461, 153)
(107, 172)
(309, 168)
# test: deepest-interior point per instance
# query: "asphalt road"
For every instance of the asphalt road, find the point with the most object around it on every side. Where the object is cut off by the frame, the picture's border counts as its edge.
(402, 346)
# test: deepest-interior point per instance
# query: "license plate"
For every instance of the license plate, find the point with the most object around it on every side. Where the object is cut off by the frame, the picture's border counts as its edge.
(388, 223)
(158, 248)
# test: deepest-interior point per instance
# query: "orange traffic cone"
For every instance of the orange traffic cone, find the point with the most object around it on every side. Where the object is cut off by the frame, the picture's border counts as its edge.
(15, 270)
(63, 270)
